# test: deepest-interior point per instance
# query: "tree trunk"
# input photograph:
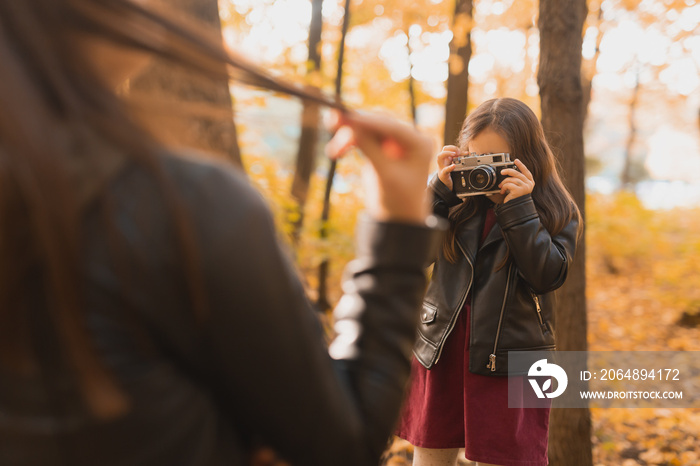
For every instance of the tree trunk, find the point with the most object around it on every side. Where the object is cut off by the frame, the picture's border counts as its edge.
(411, 82)
(306, 155)
(458, 78)
(589, 69)
(213, 130)
(561, 95)
(323, 304)
(626, 178)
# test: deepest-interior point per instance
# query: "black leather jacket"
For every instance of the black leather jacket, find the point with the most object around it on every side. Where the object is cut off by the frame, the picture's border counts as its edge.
(510, 308)
(254, 371)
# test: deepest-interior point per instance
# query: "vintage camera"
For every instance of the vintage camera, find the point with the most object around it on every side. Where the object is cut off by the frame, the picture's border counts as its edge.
(479, 174)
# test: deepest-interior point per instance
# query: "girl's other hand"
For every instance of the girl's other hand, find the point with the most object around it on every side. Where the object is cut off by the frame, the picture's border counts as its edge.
(445, 165)
(518, 183)
(399, 158)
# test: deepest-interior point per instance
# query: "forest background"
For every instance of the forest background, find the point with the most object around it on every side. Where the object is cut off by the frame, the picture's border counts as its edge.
(640, 75)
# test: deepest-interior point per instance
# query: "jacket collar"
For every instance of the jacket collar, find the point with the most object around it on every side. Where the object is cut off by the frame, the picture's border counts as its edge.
(468, 237)
(494, 235)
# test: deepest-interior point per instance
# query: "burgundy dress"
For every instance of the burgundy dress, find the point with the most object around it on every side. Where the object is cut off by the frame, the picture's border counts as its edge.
(449, 407)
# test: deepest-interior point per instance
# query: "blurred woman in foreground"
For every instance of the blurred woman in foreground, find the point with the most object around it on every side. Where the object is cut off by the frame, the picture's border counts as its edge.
(147, 314)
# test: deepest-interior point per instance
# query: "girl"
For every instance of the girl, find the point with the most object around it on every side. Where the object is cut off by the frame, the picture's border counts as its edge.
(503, 254)
(147, 314)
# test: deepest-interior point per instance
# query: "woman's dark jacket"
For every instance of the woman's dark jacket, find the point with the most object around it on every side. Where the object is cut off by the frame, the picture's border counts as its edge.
(510, 306)
(253, 370)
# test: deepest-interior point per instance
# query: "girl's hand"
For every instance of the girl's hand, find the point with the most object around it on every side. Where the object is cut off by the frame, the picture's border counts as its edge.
(399, 158)
(445, 165)
(518, 183)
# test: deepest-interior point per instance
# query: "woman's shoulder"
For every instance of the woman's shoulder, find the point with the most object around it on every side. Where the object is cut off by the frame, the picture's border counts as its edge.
(214, 195)
(193, 174)
(209, 187)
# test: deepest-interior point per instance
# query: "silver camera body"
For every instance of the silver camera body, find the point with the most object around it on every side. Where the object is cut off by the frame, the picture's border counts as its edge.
(479, 174)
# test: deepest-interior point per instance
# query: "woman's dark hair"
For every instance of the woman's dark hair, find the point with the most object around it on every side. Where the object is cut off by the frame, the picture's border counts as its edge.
(58, 121)
(518, 125)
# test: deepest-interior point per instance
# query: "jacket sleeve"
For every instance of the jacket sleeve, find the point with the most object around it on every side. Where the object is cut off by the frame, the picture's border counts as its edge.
(543, 260)
(276, 380)
(442, 197)
(442, 200)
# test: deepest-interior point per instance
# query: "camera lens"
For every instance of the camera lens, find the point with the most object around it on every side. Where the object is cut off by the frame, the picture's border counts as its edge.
(482, 178)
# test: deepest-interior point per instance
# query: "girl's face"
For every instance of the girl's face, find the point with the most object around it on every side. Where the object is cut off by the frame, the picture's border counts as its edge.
(489, 142)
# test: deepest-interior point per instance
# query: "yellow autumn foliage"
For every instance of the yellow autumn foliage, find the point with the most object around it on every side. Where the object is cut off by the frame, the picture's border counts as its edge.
(643, 275)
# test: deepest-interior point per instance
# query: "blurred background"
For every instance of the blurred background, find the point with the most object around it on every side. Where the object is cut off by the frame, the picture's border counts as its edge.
(642, 59)
(640, 76)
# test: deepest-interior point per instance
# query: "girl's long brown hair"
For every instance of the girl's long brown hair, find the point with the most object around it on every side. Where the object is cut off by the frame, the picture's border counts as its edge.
(523, 132)
(52, 106)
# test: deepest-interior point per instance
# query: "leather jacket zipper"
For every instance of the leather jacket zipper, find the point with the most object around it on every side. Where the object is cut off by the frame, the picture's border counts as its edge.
(535, 298)
(537, 304)
(461, 304)
(492, 358)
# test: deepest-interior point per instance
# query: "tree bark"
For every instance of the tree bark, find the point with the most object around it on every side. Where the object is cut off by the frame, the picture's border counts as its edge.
(458, 78)
(306, 154)
(561, 95)
(212, 130)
